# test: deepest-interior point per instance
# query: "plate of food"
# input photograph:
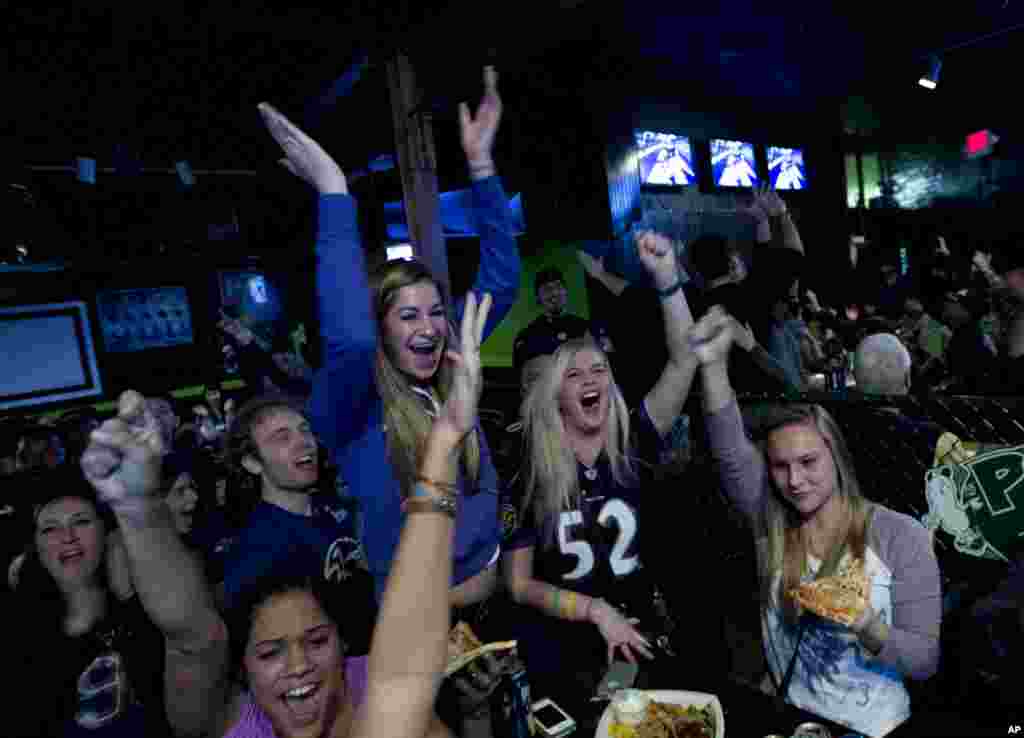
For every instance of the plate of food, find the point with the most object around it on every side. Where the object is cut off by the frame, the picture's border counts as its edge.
(662, 713)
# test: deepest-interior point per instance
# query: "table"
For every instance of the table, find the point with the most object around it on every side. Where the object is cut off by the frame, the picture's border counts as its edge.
(750, 713)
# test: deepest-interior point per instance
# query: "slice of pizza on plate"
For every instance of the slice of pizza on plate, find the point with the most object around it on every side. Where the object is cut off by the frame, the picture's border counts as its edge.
(842, 598)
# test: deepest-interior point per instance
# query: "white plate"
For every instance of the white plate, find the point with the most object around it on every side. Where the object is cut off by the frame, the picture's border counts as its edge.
(672, 697)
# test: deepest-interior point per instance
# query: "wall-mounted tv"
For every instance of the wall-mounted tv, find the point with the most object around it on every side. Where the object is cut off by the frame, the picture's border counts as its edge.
(146, 318)
(733, 163)
(252, 297)
(47, 355)
(664, 158)
(786, 169)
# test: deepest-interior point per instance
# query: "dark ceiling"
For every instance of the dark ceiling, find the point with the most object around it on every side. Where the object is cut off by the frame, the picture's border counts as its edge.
(168, 85)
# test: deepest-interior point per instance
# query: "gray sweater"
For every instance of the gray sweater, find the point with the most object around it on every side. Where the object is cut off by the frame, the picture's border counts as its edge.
(902, 543)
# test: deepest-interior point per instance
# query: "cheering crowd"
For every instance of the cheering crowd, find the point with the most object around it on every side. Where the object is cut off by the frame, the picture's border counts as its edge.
(290, 564)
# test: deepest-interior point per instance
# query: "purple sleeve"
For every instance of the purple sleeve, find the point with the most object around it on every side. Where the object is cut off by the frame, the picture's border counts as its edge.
(356, 670)
(906, 548)
(740, 464)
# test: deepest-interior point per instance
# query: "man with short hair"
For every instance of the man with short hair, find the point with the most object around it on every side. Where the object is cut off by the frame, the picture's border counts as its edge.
(882, 365)
(555, 326)
(297, 521)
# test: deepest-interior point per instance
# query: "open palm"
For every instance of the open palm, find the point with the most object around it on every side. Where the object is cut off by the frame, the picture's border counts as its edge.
(303, 156)
(478, 131)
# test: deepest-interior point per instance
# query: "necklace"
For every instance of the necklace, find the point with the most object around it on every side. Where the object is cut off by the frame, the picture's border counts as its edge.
(589, 472)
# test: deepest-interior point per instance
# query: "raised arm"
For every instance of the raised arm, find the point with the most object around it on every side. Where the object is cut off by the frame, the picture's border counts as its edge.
(744, 338)
(781, 217)
(595, 268)
(740, 464)
(122, 463)
(500, 267)
(409, 650)
(666, 399)
(343, 389)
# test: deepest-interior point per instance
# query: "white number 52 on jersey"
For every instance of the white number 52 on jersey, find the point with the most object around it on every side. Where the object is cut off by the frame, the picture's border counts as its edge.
(569, 525)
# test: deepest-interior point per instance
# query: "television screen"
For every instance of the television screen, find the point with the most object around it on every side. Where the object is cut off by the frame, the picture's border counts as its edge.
(664, 158)
(786, 168)
(46, 355)
(256, 300)
(733, 163)
(147, 318)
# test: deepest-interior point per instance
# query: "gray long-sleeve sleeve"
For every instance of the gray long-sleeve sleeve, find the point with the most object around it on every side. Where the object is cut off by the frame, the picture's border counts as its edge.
(740, 464)
(905, 546)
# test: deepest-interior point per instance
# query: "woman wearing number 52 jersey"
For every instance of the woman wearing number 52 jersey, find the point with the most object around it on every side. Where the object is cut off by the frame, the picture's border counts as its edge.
(574, 543)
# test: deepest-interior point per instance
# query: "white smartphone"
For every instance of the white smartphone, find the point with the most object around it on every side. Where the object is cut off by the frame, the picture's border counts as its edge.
(551, 720)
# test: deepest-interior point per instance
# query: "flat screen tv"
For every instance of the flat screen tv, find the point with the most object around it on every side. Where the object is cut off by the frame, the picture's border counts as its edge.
(664, 159)
(733, 163)
(786, 169)
(251, 296)
(146, 318)
(47, 355)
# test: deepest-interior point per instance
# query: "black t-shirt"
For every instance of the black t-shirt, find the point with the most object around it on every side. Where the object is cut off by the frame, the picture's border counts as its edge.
(545, 334)
(107, 683)
(593, 548)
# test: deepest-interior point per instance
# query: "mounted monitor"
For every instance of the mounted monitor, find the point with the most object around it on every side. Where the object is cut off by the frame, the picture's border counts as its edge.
(256, 299)
(733, 163)
(47, 355)
(664, 159)
(786, 168)
(146, 318)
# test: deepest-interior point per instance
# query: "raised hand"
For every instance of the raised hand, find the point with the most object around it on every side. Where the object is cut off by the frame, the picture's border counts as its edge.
(772, 203)
(618, 632)
(122, 461)
(712, 336)
(459, 411)
(743, 336)
(658, 257)
(478, 131)
(303, 156)
(756, 209)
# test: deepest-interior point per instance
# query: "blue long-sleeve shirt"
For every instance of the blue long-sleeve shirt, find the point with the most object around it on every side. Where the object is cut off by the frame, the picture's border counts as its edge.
(346, 408)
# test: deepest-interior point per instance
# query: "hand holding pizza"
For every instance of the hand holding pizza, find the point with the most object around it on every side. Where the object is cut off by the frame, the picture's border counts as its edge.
(843, 598)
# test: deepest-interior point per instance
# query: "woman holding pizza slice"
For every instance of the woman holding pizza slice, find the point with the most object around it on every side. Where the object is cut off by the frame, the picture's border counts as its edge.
(868, 572)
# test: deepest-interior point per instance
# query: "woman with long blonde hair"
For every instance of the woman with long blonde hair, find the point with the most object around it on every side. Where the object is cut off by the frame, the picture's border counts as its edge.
(800, 493)
(385, 338)
(575, 543)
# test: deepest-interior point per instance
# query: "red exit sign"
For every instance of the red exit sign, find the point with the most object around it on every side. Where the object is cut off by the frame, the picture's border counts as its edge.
(979, 143)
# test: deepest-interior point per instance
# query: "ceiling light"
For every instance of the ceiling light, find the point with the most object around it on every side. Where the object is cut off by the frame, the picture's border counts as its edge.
(930, 79)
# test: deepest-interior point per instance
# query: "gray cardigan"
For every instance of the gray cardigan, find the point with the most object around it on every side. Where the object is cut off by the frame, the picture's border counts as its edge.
(899, 540)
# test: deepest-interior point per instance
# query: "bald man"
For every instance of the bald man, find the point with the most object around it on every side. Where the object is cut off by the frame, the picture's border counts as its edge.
(882, 365)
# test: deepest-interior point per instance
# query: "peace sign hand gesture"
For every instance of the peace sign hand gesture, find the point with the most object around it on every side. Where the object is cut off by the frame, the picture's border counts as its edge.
(458, 415)
(303, 156)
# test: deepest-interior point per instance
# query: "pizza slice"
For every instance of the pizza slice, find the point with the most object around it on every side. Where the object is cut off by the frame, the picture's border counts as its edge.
(842, 598)
(464, 647)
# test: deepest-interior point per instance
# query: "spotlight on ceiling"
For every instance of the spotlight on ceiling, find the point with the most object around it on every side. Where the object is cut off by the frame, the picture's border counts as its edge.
(930, 79)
